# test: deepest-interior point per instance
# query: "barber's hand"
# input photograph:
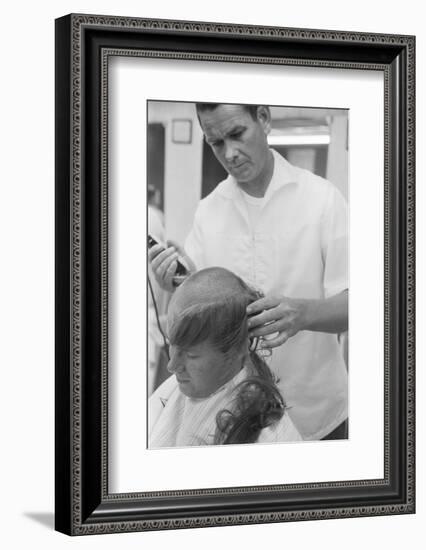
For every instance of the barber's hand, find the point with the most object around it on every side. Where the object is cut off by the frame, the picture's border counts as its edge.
(164, 263)
(276, 314)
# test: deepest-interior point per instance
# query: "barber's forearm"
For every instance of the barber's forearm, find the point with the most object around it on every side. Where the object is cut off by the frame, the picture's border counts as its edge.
(327, 315)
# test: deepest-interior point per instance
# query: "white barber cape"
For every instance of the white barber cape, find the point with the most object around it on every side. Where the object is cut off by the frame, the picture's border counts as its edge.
(293, 242)
(176, 420)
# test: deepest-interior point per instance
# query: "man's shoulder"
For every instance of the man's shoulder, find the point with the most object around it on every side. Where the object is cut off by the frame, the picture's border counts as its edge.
(312, 182)
(316, 188)
(304, 181)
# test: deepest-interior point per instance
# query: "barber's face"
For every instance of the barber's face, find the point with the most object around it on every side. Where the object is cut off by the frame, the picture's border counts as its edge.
(200, 370)
(238, 142)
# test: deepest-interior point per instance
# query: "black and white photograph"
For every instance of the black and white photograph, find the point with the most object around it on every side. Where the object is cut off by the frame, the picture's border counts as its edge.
(212, 235)
(248, 274)
(237, 268)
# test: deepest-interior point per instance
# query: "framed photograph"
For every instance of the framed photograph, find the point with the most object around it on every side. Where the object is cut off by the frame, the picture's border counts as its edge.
(182, 130)
(234, 274)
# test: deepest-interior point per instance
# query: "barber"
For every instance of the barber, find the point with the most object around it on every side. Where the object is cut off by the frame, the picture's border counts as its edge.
(283, 230)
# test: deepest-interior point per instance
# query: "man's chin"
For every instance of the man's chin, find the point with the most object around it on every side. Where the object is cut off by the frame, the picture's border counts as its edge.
(185, 387)
(187, 390)
(242, 176)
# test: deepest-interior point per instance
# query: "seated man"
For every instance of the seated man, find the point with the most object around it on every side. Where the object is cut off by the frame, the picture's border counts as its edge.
(222, 391)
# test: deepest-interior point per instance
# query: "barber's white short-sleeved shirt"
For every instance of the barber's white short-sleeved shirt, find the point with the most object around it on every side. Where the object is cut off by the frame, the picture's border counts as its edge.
(298, 247)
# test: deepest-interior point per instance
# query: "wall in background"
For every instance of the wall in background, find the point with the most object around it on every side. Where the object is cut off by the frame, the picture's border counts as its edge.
(182, 167)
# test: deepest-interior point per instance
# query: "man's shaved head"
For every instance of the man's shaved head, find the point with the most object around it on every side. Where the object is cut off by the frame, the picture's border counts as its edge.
(211, 305)
(207, 327)
(209, 286)
(209, 346)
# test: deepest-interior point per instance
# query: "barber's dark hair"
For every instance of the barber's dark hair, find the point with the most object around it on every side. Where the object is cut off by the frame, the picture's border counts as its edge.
(203, 107)
(223, 322)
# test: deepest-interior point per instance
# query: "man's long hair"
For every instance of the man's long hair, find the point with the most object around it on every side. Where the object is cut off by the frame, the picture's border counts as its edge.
(221, 319)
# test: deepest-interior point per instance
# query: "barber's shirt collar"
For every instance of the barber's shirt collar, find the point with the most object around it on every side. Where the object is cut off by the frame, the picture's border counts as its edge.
(283, 174)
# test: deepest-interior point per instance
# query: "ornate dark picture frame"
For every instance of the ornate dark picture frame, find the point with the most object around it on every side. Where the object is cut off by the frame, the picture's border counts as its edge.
(83, 45)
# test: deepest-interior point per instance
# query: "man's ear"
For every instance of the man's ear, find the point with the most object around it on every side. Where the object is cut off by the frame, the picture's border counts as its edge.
(264, 118)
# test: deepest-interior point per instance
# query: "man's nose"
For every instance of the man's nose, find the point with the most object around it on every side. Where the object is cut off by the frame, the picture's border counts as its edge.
(230, 151)
(176, 363)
